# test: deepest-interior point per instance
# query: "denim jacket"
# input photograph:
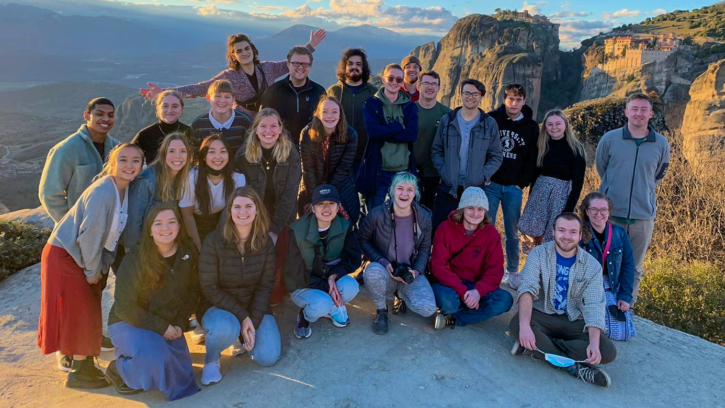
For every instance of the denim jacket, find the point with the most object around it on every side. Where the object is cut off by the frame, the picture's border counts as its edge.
(141, 197)
(620, 261)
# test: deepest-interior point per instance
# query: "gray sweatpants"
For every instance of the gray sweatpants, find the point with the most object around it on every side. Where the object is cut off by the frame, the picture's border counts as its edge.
(640, 235)
(418, 296)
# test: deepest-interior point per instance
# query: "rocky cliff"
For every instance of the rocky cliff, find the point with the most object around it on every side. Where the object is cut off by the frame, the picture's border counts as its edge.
(496, 53)
(703, 125)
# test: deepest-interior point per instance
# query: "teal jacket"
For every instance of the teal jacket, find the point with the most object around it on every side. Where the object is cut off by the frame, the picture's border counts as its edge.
(71, 166)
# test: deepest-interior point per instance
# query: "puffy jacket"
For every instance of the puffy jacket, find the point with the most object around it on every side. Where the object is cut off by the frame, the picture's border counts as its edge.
(287, 177)
(155, 309)
(483, 160)
(294, 107)
(376, 232)
(380, 131)
(341, 252)
(620, 261)
(241, 285)
(518, 146)
(481, 262)
(352, 105)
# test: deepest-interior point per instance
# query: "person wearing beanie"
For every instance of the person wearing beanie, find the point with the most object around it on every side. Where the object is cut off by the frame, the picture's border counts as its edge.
(323, 251)
(467, 261)
(411, 67)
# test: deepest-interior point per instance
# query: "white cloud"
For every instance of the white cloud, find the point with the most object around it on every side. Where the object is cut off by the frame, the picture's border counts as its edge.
(267, 8)
(217, 1)
(567, 13)
(210, 10)
(571, 33)
(621, 13)
(533, 9)
(656, 12)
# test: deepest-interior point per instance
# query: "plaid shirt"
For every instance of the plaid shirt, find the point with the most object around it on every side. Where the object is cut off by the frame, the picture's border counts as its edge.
(585, 296)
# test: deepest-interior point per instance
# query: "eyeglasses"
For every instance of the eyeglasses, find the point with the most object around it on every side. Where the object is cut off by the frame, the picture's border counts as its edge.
(595, 211)
(424, 84)
(304, 65)
(396, 79)
(471, 95)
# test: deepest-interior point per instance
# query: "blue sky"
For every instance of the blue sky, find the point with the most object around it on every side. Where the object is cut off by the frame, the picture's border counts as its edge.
(579, 19)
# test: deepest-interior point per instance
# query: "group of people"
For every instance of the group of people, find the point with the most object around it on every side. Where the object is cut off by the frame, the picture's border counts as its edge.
(283, 187)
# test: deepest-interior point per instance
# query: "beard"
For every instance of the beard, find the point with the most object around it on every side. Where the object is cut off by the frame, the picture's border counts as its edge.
(564, 246)
(353, 76)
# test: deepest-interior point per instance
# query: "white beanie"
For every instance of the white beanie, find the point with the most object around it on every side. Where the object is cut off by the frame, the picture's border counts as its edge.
(473, 197)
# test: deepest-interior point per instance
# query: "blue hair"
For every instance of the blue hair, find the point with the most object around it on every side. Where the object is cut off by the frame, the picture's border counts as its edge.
(404, 177)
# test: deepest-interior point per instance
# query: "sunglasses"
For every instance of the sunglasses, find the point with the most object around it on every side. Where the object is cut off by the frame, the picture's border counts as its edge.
(396, 79)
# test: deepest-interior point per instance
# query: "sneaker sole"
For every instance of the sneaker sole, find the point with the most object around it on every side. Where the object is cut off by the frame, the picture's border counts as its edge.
(515, 349)
(107, 348)
(437, 324)
(304, 337)
(63, 368)
(83, 386)
(210, 382)
(336, 323)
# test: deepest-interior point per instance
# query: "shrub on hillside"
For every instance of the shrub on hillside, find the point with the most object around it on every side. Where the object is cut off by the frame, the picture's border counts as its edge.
(20, 246)
(685, 296)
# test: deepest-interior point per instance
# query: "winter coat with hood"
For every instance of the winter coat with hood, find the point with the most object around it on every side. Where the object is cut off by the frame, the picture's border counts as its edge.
(479, 259)
(518, 146)
(484, 158)
(381, 131)
(295, 106)
(376, 233)
(352, 105)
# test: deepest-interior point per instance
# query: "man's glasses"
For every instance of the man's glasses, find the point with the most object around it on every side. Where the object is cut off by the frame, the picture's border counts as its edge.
(304, 65)
(396, 79)
(595, 211)
(471, 95)
(424, 84)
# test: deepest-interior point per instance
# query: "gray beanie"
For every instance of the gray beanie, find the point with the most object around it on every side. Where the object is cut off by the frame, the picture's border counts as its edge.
(473, 197)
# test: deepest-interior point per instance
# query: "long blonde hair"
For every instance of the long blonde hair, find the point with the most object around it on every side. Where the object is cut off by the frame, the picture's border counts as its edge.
(253, 148)
(260, 225)
(168, 187)
(543, 142)
(109, 167)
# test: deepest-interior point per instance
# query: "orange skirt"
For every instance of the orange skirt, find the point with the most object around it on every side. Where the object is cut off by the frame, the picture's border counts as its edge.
(70, 309)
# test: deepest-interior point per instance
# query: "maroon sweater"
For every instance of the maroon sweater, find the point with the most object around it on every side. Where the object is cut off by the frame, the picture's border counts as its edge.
(481, 262)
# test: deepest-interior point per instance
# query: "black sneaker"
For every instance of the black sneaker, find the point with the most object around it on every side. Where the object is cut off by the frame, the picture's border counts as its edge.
(64, 363)
(399, 306)
(114, 378)
(302, 329)
(442, 321)
(380, 324)
(517, 349)
(590, 374)
(106, 344)
(83, 374)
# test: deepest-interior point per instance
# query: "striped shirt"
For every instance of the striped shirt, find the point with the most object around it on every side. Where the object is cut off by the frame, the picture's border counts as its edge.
(235, 134)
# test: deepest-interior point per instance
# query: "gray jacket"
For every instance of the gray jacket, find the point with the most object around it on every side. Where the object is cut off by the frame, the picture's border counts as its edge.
(630, 173)
(71, 166)
(83, 231)
(376, 232)
(485, 156)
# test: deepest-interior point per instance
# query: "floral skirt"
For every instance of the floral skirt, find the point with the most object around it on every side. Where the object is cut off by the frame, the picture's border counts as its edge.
(546, 202)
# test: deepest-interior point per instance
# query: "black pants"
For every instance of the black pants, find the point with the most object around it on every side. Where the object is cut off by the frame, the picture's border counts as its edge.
(555, 334)
(444, 203)
(428, 187)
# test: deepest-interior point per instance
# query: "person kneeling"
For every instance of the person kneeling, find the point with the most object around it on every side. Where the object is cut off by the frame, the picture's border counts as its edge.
(157, 289)
(467, 260)
(396, 237)
(562, 306)
(323, 250)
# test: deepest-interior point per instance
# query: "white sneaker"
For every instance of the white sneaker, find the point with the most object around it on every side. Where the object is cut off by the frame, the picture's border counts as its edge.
(198, 336)
(211, 374)
(514, 280)
(237, 348)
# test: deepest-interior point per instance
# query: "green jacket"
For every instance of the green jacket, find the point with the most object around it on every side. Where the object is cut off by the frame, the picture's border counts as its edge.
(69, 170)
(352, 106)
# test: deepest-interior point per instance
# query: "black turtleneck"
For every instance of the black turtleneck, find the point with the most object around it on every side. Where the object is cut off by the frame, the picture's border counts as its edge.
(562, 163)
(149, 138)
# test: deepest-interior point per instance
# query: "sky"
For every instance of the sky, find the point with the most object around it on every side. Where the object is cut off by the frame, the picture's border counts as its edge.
(579, 19)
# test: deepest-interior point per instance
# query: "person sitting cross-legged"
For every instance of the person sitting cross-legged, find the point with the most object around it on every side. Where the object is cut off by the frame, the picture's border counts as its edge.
(467, 260)
(562, 305)
(323, 250)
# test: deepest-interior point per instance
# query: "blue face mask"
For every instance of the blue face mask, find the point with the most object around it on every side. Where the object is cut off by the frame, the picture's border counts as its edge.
(559, 361)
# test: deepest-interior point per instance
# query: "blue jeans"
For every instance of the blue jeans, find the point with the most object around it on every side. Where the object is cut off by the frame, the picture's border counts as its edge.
(510, 198)
(222, 329)
(492, 304)
(381, 189)
(317, 303)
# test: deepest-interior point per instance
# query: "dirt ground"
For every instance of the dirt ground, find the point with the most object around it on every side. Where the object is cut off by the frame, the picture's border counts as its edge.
(412, 366)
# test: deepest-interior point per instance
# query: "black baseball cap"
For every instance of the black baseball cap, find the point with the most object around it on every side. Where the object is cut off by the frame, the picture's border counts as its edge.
(325, 192)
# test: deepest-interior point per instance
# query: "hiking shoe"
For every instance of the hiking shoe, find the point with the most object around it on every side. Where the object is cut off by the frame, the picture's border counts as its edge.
(514, 280)
(211, 373)
(106, 344)
(198, 336)
(84, 375)
(517, 349)
(64, 362)
(442, 321)
(114, 378)
(590, 374)
(303, 329)
(380, 324)
(237, 348)
(399, 306)
(339, 316)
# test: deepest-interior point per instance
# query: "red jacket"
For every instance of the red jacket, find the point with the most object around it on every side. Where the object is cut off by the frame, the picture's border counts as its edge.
(481, 262)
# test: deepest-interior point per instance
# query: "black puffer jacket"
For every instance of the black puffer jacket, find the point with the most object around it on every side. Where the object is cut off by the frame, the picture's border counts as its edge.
(238, 284)
(376, 232)
(287, 177)
(337, 172)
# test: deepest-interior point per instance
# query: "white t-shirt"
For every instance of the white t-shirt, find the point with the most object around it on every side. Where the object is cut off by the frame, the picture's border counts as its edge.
(216, 192)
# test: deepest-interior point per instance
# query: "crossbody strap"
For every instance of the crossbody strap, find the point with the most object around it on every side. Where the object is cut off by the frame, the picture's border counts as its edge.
(609, 243)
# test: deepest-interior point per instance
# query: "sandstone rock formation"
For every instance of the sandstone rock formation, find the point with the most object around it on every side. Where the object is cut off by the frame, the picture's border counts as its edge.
(703, 126)
(3, 209)
(495, 52)
(34, 216)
